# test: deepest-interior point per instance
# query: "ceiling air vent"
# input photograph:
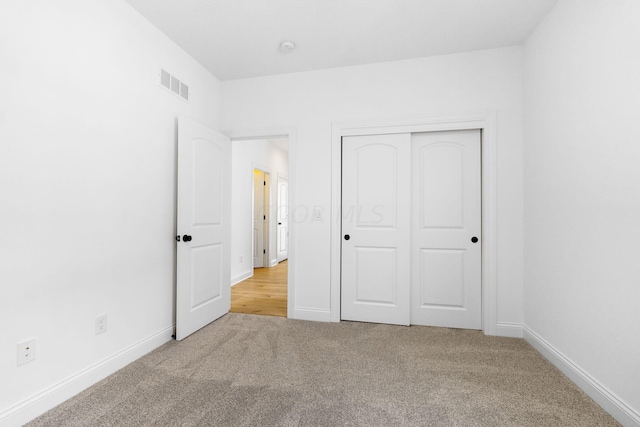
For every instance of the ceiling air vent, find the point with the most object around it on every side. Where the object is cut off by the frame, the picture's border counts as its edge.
(174, 85)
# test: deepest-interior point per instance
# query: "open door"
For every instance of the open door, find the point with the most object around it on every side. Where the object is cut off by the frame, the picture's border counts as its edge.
(204, 232)
(283, 220)
(260, 224)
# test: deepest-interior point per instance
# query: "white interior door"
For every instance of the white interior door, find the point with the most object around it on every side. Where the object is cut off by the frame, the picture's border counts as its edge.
(259, 218)
(445, 229)
(204, 200)
(282, 228)
(376, 228)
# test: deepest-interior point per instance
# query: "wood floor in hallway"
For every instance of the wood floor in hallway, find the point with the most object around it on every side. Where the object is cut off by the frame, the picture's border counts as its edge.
(264, 293)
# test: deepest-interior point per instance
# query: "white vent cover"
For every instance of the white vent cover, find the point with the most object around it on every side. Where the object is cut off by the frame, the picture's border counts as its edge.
(165, 79)
(174, 85)
(184, 91)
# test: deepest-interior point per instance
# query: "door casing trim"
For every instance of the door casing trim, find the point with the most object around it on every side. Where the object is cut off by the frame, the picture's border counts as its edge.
(485, 121)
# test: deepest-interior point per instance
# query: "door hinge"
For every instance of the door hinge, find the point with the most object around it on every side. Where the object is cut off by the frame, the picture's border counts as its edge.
(264, 182)
(264, 217)
(264, 251)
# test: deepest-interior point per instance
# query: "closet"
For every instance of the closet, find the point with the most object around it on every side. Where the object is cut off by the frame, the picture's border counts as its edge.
(411, 224)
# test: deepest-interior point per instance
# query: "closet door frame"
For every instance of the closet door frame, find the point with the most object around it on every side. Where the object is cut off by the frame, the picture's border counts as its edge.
(484, 121)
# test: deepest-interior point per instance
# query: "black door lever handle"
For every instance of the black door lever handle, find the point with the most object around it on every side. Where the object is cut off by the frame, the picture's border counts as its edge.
(186, 238)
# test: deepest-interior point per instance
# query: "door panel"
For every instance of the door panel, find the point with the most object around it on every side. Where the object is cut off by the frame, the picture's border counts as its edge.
(282, 248)
(206, 282)
(375, 216)
(207, 183)
(441, 278)
(376, 275)
(441, 176)
(376, 183)
(446, 211)
(204, 194)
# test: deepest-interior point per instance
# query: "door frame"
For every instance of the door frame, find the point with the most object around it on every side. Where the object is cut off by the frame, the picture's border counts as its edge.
(291, 134)
(485, 121)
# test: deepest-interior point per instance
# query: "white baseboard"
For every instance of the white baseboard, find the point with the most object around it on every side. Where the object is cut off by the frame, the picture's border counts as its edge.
(510, 330)
(315, 314)
(241, 277)
(51, 397)
(611, 403)
(273, 263)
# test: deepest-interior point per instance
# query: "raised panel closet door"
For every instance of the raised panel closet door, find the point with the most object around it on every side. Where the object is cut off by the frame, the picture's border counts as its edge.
(375, 228)
(445, 229)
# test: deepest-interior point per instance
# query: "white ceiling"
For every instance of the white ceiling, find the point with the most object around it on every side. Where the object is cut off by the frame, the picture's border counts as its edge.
(240, 38)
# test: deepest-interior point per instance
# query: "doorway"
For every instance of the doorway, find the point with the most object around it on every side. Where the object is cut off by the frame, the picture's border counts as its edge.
(260, 228)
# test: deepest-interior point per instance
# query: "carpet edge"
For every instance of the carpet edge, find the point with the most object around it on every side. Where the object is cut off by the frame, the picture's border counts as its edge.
(611, 403)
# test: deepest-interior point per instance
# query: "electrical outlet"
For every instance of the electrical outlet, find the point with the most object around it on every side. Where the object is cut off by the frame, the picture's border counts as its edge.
(101, 324)
(26, 351)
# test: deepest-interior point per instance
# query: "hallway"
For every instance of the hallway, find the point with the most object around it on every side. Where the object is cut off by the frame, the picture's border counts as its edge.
(265, 293)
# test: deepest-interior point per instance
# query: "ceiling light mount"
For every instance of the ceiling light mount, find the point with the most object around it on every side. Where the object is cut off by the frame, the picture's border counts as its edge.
(287, 47)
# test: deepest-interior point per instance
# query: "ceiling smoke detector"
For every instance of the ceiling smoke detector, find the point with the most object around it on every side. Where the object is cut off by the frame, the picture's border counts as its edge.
(287, 47)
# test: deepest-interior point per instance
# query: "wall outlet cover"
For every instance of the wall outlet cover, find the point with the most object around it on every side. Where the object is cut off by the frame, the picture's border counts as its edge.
(101, 324)
(26, 351)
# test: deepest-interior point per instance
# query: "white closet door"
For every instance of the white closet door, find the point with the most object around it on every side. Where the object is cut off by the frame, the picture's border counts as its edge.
(446, 220)
(376, 228)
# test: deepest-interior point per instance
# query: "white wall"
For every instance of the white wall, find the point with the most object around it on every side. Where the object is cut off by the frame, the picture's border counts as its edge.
(87, 178)
(582, 190)
(246, 156)
(309, 102)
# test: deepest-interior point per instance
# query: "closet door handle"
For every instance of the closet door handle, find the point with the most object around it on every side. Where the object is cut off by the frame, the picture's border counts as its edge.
(474, 239)
(347, 237)
(186, 238)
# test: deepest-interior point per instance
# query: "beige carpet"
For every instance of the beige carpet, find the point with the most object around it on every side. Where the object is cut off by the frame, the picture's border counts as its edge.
(246, 370)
